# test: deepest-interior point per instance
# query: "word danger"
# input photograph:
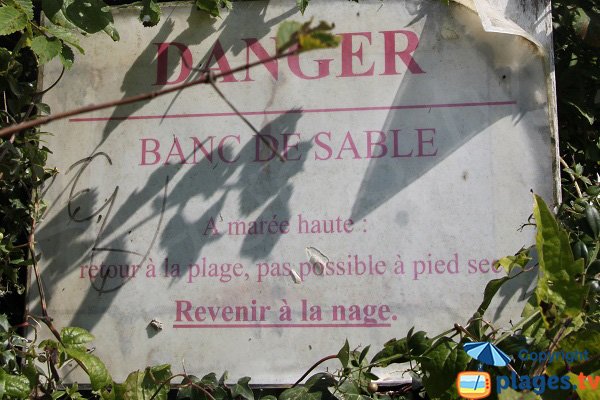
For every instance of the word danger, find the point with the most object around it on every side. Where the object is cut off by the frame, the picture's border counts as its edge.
(394, 48)
(328, 145)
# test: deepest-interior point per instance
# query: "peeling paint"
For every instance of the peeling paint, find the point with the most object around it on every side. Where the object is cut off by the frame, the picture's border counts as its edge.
(317, 259)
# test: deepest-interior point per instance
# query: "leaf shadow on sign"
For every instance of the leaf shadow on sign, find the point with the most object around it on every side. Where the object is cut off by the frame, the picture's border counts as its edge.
(447, 98)
(171, 190)
(200, 26)
(136, 80)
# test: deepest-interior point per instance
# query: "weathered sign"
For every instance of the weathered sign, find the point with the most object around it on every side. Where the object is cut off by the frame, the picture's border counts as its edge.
(350, 193)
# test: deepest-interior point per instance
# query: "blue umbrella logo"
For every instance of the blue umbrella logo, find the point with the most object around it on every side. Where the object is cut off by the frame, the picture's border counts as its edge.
(487, 353)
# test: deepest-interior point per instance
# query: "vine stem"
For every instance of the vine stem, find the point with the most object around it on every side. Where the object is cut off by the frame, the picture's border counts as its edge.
(205, 78)
(315, 365)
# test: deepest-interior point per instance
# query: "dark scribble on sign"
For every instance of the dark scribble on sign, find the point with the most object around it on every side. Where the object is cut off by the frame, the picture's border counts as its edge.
(83, 164)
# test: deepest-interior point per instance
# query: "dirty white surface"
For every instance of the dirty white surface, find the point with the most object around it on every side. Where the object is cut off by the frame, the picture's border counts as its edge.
(468, 137)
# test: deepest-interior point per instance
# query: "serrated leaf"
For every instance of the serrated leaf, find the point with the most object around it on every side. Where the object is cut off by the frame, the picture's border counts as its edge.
(150, 13)
(97, 371)
(242, 389)
(302, 4)
(209, 6)
(11, 20)
(557, 288)
(344, 354)
(76, 338)
(25, 6)
(66, 36)
(46, 48)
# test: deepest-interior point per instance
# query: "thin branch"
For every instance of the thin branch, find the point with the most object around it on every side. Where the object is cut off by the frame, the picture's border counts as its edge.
(553, 345)
(564, 164)
(204, 79)
(239, 114)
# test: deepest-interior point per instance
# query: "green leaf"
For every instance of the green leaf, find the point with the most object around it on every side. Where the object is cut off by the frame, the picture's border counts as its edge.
(67, 57)
(344, 354)
(150, 14)
(519, 260)
(394, 351)
(417, 342)
(317, 40)
(557, 288)
(320, 381)
(511, 394)
(286, 35)
(209, 6)
(2, 383)
(65, 35)
(441, 365)
(191, 392)
(75, 338)
(142, 385)
(349, 390)
(585, 343)
(580, 250)
(24, 6)
(4, 325)
(46, 49)
(16, 386)
(242, 389)
(299, 393)
(587, 115)
(11, 20)
(593, 220)
(363, 354)
(55, 11)
(586, 393)
(99, 376)
(91, 16)
(302, 4)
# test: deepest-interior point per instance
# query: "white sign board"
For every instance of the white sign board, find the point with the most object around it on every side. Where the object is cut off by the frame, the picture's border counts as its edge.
(409, 155)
